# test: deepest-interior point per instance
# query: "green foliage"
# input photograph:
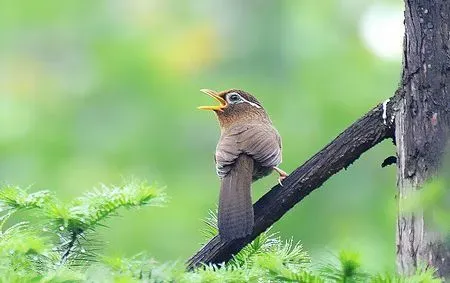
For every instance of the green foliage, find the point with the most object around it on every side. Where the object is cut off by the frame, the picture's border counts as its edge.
(60, 240)
(422, 275)
(346, 268)
(62, 246)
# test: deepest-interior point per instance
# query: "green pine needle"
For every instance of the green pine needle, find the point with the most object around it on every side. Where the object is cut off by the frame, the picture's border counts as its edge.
(63, 237)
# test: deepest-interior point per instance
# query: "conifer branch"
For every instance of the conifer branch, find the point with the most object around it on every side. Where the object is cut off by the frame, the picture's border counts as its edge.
(70, 222)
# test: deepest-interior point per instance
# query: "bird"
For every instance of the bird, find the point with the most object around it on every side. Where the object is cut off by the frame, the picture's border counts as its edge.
(248, 149)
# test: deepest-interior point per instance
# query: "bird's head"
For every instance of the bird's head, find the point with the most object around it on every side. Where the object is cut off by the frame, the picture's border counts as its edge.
(235, 106)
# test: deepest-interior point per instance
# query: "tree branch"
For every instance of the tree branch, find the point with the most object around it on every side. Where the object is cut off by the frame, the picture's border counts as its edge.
(362, 135)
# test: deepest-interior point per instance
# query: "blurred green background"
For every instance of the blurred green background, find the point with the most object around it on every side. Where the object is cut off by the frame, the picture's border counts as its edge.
(94, 91)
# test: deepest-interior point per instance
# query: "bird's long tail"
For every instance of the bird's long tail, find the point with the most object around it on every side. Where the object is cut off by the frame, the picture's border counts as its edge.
(235, 204)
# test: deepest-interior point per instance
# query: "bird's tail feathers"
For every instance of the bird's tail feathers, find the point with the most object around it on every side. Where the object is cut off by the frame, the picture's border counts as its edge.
(235, 204)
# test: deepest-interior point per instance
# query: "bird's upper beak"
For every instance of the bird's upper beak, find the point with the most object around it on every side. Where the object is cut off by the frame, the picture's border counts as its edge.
(213, 94)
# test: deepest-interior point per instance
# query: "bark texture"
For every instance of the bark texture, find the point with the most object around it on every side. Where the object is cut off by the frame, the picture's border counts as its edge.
(421, 123)
(362, 135)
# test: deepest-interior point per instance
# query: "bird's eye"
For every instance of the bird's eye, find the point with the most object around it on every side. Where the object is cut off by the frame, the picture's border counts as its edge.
(234, 98)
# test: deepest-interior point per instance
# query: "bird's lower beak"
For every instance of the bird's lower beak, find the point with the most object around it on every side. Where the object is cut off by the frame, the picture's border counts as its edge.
(213, 94)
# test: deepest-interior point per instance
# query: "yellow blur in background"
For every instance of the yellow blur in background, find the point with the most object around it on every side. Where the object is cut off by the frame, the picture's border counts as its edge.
(94, 91)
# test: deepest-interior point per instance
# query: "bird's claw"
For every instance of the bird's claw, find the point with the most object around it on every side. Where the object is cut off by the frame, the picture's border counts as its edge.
(282, 174)
(280, 180)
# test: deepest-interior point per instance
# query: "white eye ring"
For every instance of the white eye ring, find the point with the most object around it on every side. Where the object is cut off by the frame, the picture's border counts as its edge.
(239, 99)
(234, 98)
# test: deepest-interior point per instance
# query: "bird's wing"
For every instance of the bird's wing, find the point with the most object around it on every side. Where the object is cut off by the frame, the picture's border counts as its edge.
(259, 141)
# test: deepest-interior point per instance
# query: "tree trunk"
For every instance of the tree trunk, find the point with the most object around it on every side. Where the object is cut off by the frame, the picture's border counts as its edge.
(421, 122)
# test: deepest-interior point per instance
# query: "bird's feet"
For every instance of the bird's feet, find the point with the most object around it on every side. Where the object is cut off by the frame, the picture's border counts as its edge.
(282, 174)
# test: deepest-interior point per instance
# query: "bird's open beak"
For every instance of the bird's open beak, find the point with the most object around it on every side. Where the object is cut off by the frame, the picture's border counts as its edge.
(213, 94)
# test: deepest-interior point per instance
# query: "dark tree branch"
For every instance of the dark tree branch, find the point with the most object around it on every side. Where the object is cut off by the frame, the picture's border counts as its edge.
(362, 135)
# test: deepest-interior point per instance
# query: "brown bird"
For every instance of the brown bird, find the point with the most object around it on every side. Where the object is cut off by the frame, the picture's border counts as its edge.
(249, 148)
